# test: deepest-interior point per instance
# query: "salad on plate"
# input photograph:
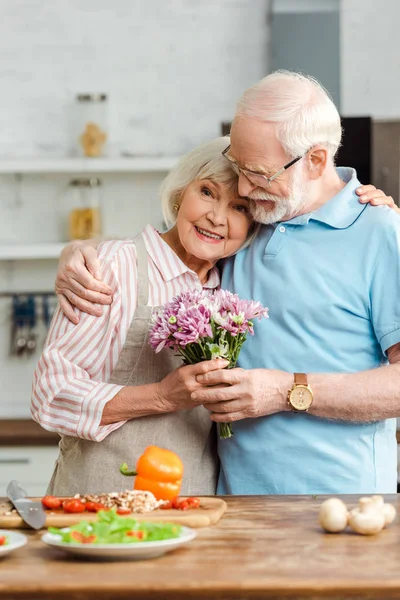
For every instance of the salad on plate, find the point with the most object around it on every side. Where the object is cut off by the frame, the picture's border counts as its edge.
(113, 536)
(111, 528)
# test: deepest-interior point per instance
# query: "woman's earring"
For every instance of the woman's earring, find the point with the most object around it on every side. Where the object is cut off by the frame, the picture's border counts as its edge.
(176, 207)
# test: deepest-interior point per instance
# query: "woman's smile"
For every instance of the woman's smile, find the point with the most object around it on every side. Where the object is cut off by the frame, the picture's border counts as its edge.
(208, 236)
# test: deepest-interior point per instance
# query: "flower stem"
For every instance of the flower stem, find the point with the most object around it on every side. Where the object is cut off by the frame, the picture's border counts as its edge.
(225, 431)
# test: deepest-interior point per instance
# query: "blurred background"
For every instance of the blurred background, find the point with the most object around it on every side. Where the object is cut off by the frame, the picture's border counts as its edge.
(99, 99)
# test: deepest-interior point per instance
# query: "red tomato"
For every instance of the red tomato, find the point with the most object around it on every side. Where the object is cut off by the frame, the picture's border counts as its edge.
(183, 505)
(83, 539)
(175, 502)
(73, 506)
(77, 536)
(94, 506)
(89, 539)
(123, 511)
(136, 534)
(166, 506)
(193, 502)
(3, 540)
(51, 502)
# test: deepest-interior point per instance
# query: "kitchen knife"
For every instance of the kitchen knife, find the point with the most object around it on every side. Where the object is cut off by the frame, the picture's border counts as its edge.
(32, 512)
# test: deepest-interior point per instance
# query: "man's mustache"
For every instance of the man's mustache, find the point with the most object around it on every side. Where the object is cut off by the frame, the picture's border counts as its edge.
(261, 195)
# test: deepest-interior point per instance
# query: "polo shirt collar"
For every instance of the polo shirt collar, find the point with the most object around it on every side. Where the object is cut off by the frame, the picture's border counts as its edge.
(168, 263)
(340, 211)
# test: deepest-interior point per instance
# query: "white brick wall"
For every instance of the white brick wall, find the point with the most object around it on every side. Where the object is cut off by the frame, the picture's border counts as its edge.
(173, 70)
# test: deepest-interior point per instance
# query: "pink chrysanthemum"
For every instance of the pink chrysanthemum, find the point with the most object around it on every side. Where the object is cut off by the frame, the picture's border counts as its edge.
(201, 326)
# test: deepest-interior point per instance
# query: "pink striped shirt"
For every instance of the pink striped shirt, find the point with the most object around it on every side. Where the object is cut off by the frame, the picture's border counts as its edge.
(70, 386)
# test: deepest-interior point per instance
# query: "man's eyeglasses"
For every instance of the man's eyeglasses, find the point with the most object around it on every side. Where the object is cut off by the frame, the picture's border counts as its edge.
(254, 177)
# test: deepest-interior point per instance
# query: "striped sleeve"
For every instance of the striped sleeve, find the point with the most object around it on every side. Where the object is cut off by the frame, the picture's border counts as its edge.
(69, 385)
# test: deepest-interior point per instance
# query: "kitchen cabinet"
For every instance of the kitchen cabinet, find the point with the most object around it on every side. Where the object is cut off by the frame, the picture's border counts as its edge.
(32, 466)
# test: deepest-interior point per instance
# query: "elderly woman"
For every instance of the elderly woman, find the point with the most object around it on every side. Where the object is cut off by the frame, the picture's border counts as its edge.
(99, 384)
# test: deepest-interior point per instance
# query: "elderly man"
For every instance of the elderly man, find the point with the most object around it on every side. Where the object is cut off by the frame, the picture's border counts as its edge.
(314, 402)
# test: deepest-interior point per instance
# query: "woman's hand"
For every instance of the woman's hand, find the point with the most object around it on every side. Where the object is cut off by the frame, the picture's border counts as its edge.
(175, 389)
(369, 193)
(78, 281)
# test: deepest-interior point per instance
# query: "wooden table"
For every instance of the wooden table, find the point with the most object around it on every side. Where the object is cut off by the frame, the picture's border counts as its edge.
(265, 547)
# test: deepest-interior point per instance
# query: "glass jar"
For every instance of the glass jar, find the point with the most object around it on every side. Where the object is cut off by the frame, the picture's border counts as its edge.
(84, 219)
(91, 124)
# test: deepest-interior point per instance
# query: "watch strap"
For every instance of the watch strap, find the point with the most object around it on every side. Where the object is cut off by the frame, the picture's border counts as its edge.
(300, 379)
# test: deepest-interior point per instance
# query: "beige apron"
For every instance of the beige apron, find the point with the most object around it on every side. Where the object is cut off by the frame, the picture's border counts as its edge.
(92, 467)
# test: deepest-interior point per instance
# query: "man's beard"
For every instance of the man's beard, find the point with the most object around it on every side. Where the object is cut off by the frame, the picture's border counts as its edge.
(284, 207)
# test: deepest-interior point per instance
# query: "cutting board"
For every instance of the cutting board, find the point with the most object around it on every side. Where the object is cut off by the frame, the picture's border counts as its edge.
(210, 511)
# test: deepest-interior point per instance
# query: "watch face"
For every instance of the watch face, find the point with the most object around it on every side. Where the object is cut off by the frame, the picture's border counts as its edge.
(301, 397)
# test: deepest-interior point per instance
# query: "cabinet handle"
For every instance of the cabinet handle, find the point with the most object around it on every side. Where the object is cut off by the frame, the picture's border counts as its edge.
(14, 461)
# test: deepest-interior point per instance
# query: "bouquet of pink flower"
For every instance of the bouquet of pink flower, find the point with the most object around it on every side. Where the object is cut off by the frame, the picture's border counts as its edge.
(202, 326)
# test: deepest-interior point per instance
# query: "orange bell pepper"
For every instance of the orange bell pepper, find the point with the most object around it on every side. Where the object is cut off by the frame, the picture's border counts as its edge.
(159, 471)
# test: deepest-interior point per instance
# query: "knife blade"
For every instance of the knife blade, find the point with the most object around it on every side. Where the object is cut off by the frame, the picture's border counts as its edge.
(32, 512)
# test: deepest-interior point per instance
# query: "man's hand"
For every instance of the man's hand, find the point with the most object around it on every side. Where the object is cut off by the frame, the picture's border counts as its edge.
(369, 194)
(243, 394)
(78, 281)
(174, 391)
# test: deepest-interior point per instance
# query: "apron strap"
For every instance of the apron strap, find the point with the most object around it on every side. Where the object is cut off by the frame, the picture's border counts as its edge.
(143, 271)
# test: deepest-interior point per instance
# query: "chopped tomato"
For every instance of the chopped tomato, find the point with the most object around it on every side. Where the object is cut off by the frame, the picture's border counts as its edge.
(123, 511)
(94, 506)
(3, 540)
(178, 504)
(73, 506)
(193, 502)
(51, 502)
(83, 539)
(175, 502)
(136, 534)
(89, 539)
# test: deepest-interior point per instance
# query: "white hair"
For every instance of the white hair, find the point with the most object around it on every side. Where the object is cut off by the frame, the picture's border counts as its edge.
(204, 162)
(301, 108)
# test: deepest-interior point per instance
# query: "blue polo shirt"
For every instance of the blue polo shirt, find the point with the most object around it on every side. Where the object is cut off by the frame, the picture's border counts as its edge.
(331, 279)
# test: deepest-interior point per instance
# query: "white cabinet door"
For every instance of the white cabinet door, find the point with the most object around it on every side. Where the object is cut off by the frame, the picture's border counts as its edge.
(32, 466)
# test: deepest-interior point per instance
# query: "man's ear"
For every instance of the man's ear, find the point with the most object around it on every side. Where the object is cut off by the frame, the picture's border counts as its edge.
(317, 160)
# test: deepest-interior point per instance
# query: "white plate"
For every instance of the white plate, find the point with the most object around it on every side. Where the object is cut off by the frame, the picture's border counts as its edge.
(135, 551)
(15, 540)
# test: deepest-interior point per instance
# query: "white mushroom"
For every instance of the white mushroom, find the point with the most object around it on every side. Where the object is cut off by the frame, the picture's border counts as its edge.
(389, 511)
(333, 515)
(368, 518)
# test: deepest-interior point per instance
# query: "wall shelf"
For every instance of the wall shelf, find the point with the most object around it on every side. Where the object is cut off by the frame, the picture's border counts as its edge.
(30, 251)
(88, 165)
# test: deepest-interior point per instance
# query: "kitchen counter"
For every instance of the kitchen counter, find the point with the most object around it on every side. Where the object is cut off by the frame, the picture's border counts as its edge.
(264, 547)
(24, 432)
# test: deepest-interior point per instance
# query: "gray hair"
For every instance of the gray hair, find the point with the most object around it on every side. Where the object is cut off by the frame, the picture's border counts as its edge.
(204, 162)
(301, 108)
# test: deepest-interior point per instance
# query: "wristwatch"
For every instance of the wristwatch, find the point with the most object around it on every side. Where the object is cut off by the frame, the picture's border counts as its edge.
(300, 397)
